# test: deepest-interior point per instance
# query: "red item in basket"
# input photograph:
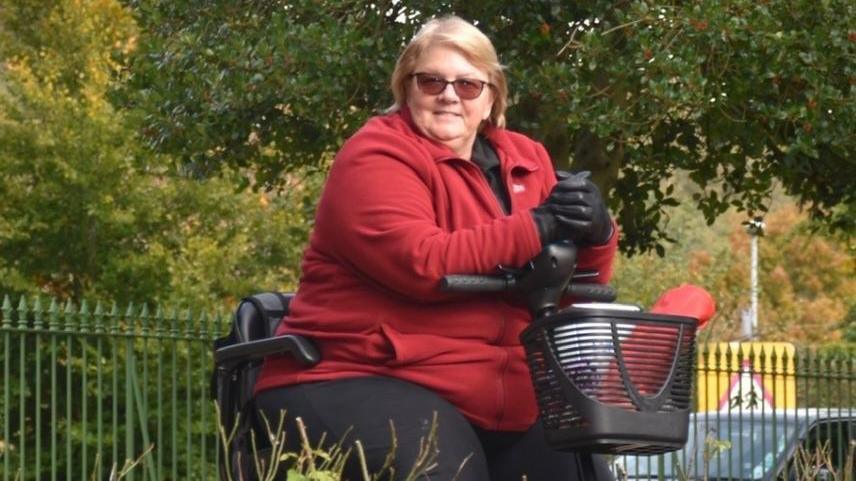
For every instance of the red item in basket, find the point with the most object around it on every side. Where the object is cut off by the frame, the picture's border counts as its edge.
(648, 351)
(687, 300)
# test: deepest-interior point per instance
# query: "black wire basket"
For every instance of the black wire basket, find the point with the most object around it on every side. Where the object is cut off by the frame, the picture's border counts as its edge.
(612, 381)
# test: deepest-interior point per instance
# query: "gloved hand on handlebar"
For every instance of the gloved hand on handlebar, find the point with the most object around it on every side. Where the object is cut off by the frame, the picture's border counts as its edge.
(574, 211)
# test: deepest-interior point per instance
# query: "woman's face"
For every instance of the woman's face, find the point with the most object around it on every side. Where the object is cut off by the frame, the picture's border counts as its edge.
(446, 117)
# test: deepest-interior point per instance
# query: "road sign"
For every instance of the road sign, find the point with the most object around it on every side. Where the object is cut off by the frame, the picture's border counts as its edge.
(746, 391)
(749, 375)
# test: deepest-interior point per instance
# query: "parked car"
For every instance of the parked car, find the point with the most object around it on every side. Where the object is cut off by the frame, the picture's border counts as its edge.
(751, 445)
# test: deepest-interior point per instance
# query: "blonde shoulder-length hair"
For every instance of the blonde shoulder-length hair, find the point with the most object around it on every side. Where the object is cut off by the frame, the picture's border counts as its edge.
(453, 32)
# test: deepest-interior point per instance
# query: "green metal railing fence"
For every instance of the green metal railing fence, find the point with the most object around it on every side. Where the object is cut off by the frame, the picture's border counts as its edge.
(758, 405)
(85, 389)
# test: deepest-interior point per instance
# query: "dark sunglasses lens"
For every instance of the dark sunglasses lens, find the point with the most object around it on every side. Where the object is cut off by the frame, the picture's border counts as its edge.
(433, 85)
(430, 85)
(468, 89)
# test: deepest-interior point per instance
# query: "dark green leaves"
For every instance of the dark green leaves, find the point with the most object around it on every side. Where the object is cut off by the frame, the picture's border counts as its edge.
(743, 95)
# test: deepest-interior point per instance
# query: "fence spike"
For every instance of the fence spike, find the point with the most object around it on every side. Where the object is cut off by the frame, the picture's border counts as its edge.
(203, 320)
(68, 314)
(84, 316)
(129, 318)
(774, 360)
(728, 354)
(160, 329)
(98, 314)
(114, 318)
(144, 319)
(761, 351)
(188, 322)
(828, 364)
(173, 324)
(789, 361)
(22, 313)
(217, 323)
(799, 360)
(6, 309)
(38, 313)
(815, 354)
(53, 315)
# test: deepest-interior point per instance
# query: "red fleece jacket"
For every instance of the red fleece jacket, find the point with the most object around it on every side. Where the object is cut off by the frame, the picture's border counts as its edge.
(399, 212)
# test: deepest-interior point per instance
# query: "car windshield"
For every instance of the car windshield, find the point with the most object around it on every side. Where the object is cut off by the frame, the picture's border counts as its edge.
(755, 444)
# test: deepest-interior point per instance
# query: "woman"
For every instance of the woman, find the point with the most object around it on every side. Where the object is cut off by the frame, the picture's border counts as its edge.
(435, 187)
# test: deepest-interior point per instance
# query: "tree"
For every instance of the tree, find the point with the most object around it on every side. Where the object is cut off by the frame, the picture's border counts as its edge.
(64, 160)
(807, 287)
(808, 284)
(744, 95)
(86, 211)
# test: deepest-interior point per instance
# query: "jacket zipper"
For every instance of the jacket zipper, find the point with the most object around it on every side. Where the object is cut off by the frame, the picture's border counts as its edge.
(498, 209)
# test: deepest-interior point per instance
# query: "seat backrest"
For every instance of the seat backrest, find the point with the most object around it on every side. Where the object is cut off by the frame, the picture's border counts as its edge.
(258, 316)
(232, 386)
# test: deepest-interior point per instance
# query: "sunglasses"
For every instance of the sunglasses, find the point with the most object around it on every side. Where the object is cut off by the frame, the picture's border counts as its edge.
(466, 88)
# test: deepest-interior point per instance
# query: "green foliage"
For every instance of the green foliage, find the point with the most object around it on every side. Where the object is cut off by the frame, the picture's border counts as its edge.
(742, 94)
(63, 162)
(220, 245)
(259, 84)
(87, 211)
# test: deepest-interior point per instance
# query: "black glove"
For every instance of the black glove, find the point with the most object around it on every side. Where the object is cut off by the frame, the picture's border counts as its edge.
(575, 211)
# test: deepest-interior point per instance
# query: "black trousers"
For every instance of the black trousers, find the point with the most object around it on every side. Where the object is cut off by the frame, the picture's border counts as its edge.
(361, 409)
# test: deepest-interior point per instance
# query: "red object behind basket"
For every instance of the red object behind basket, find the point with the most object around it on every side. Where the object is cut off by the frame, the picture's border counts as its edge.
(687, 300)
(649, 350)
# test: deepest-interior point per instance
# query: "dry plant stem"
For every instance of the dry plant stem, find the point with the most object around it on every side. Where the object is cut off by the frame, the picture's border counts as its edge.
(129, 465)
(426, 459)
(850, 462)
(331, 460)
(337, 458)
(226, 439)
(464, 463)
(389, 460)
(308, 452)
(259, 463)
(387, 463)
(361, 456)
(317, 461)
(807, 464)
(277, 442)
(682, 475)
(97, 463)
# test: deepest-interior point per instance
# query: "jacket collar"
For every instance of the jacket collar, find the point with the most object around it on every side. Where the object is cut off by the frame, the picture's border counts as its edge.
(440, 153)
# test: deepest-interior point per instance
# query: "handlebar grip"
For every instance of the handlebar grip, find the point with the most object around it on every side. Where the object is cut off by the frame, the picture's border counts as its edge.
(592, 292)
(467, 283)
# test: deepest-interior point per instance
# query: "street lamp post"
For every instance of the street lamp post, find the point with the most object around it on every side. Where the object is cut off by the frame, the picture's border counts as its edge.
(755, 228)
